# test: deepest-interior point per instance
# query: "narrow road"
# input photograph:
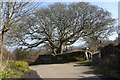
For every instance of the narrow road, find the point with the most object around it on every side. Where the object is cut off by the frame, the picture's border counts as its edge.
(66, 70)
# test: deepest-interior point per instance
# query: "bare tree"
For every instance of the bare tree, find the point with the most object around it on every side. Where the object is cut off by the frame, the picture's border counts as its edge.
(62, 24)
(11, 14)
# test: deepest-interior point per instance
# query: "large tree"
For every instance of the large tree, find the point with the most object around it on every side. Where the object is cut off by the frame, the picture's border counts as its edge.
(62, 24)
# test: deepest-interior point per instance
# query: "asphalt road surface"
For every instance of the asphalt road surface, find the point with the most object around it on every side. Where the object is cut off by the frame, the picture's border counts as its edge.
(74, 70)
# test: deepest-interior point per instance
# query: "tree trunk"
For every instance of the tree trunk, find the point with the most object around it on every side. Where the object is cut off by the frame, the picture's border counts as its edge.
(1, 37)
(54, 52)
(60, 49)
(118, 37)
(1, 48)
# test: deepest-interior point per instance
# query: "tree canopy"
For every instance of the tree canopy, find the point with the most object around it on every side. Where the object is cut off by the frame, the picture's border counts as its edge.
(62, 24)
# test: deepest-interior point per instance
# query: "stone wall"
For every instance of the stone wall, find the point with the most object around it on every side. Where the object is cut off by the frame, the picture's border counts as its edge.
(66, 57)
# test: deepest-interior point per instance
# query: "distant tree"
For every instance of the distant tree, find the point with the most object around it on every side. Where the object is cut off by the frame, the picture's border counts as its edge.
(62, 24)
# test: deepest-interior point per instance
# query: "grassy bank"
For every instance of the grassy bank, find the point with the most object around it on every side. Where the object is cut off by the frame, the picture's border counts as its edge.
(14, 69)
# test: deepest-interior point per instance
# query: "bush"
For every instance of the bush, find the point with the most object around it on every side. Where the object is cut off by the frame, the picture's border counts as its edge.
(10, 73)
(26, 55)
(14, 69)
(21, 65)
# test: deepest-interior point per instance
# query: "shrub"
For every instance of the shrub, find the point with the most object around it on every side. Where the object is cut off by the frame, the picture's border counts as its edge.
(21, 65)
(10, 73)
(14, 69)
(26, 55)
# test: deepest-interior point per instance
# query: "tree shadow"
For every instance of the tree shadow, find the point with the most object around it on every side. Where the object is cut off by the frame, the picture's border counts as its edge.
(92, 77)
(89, 72)
(83, 64)
(31, 74)
(96, 78)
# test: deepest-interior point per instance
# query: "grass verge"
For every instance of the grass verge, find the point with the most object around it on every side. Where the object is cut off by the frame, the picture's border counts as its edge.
(14, 69)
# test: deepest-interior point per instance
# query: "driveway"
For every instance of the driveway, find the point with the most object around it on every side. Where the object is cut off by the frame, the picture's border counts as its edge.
(72, 70)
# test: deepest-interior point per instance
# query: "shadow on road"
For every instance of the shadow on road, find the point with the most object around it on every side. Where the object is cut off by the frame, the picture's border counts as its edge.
(89, 78)
(87, 75)
(83, 64)
(31, 74)
(89, 72)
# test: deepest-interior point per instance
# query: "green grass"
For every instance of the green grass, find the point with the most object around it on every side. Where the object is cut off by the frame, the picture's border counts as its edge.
(14, 69)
